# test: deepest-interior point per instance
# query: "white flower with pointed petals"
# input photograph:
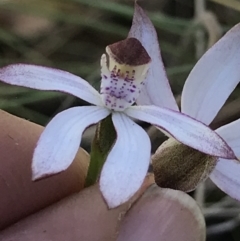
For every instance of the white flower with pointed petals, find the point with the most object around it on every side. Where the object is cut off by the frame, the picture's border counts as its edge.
(124, 69)
(206, 89)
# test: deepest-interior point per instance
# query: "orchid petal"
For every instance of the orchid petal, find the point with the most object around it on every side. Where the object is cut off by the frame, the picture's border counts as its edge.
(213, 78)
(226, 176)
(183, 128)
(127, 163)
(157, 90)
(231, 134)
(226, 173)
(61, 138)
(44, 78)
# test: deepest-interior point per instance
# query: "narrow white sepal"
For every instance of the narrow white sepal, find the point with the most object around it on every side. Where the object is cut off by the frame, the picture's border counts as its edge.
(44, 78)
(127, 163)
(213, 78)
(231, 134)
(226, 174)
(157, 90)
(184, 129)
(61, 138)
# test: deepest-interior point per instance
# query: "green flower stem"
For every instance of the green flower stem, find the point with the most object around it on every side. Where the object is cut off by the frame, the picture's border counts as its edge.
(103, 141)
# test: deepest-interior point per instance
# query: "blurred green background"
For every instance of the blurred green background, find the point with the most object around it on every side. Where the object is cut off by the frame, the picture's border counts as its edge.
(72, 35)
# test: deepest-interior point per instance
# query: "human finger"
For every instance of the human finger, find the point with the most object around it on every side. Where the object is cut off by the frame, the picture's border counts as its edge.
(19, 195)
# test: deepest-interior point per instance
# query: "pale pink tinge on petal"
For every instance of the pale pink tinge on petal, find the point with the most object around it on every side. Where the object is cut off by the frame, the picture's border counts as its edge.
(127, 163)
(226, 174)
(44, 78)
(60, 140)
(213, 78)
(184, 129)
(231, 134)
(163, 214)
(157, 90)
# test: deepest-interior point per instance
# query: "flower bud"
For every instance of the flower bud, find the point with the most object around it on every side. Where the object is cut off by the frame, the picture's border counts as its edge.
(181, 167)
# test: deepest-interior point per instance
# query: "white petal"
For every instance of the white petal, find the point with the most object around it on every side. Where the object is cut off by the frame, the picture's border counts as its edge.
(127, 163)
(61, 138)
(157, 90)
(44, 78)
(213, 78)
(231, 134)
(183, 128)
(226, 174)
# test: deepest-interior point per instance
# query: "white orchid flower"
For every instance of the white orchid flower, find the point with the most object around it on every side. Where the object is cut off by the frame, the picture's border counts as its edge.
(124, 69)
(206, 89)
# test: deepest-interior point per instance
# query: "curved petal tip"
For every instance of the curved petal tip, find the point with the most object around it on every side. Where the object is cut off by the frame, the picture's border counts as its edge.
(60, 140)
(127, 163)
(185, 129)
(156, 80)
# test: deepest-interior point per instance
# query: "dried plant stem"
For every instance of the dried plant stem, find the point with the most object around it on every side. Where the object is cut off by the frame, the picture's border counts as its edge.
(223, 227)
(200, 194)
(221, 212)
(225, 202)
(200, 8)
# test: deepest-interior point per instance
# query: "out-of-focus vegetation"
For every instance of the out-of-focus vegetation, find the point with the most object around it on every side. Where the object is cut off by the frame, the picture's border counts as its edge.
(72, 35)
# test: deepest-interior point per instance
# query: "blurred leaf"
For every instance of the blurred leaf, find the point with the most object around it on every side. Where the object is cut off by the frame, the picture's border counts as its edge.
(179, 69)
(27, 99)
